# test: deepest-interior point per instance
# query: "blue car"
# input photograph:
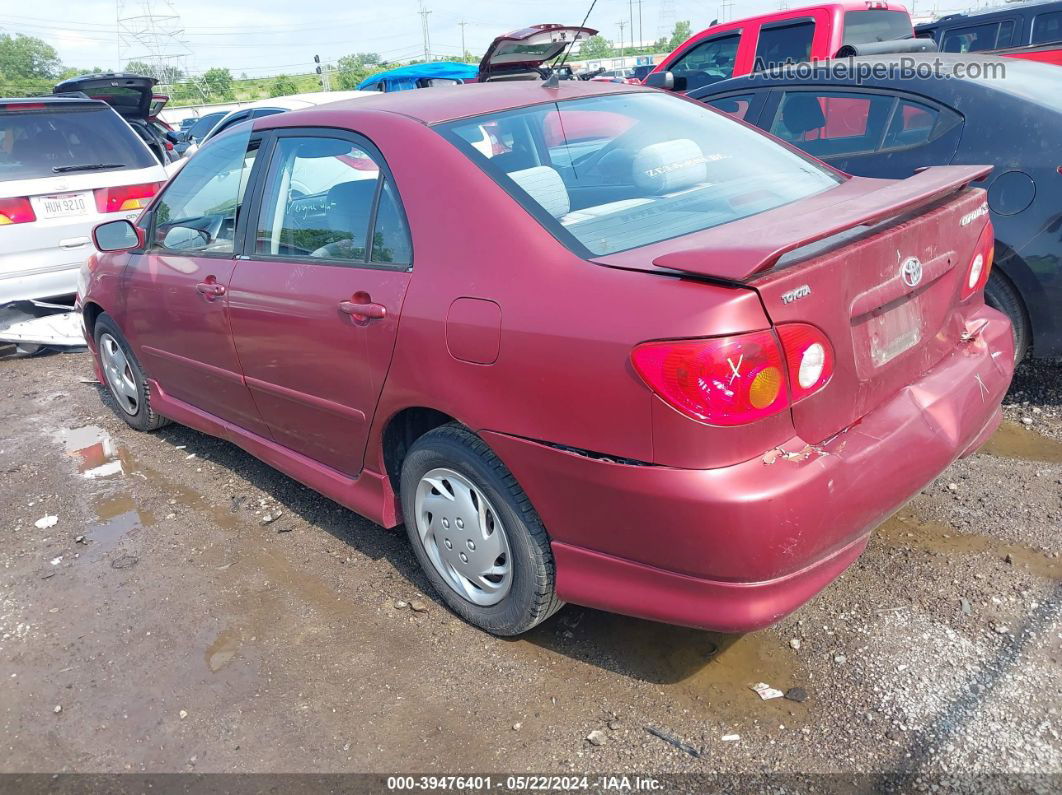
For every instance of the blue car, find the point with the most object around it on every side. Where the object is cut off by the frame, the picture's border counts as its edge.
(420, 75)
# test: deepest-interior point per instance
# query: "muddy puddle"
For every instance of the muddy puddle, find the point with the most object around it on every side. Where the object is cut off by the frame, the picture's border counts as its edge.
(1013, 440)
(710, 673)
(905, 529)
(117, 518)
(96, 454)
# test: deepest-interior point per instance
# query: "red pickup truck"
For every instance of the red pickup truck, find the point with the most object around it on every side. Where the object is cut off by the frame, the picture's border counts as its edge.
(815, 32)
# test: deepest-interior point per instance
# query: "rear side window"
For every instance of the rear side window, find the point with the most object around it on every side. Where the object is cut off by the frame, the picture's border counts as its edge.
(320, 200)
(204, 125)
(1047, 28)
(44, 143)
(671, 168)
(736, 106)
(830, 124)
(708, 62)
(866, 27)
(784, 44)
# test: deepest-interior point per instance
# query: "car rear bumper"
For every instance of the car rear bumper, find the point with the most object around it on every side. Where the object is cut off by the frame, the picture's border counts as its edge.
(21, 283)
(736, 548)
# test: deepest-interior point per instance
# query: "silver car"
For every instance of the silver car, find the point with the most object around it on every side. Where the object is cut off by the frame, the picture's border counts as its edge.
(66, 164)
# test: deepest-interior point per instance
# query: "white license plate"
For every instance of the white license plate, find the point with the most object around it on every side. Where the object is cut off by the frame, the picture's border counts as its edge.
(63, 205)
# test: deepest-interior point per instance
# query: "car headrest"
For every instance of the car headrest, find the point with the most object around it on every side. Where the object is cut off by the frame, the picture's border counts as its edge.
(545, 186)
(669, 166)
(802, 113)
(350, 204)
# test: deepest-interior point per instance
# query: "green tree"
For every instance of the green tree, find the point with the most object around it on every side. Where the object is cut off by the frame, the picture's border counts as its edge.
(595, 48)
(218, 83)
(355, 68)
(282, 86)
(28, 65)
(681, 32)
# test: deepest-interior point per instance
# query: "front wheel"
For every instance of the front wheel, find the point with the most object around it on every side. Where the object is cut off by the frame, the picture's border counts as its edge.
(124, 377)
(475, 533)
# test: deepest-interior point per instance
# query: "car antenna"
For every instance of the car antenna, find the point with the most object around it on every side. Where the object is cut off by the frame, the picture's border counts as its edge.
(553, 81)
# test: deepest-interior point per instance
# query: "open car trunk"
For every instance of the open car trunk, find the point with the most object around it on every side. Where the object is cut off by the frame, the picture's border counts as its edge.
(130, 95)
(520, 54)
(877, 265)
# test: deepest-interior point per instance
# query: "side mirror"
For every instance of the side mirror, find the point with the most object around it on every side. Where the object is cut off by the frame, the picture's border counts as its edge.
(664, 80)
(116, 236)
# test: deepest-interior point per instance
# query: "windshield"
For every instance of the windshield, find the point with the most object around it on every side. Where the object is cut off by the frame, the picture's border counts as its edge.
(866, 27)
(44, 143)
(616, 172)
(204, 125)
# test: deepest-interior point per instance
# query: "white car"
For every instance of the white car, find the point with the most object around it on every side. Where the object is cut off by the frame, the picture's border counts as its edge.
(267, 107)
(66, 165)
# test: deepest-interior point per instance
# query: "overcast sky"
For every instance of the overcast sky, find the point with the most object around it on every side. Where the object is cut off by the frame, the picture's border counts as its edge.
(262, 37)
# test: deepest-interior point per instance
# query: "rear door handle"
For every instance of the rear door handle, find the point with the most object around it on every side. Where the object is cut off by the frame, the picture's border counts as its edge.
(363, 311)
(210, 289)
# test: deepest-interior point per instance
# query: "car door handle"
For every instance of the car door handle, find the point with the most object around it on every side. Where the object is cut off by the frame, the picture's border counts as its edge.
(363, 311)
(210, 289)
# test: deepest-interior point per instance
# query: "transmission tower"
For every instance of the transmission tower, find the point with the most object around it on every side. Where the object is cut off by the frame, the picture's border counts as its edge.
(150, 31)
(425, 30)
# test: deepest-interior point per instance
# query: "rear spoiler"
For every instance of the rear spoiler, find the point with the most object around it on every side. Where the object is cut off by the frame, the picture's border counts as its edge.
(738, 250)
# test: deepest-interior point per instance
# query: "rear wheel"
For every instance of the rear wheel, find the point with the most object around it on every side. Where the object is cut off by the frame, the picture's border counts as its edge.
(475, 533)
(124, 377)
(1000, 294)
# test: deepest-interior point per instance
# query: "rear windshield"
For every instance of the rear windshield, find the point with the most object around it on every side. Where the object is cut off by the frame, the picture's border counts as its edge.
(44, 143)
(866, 27)
(615, 172)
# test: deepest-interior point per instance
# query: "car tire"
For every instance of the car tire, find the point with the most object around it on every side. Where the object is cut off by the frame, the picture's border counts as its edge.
(476, 485)
(1000, 294)
(124, 377)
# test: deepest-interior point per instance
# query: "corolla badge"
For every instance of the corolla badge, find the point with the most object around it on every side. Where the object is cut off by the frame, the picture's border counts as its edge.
(911, 271)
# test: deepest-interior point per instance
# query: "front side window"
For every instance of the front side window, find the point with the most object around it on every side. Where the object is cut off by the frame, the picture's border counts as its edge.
(972, 39)
(200, 206)
(708, 62)
(319, 202)
(784, 44)
(659, 167)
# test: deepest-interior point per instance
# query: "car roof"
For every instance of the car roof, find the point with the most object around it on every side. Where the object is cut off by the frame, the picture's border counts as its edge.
(980, 14)
(446, 103)
(51, 100)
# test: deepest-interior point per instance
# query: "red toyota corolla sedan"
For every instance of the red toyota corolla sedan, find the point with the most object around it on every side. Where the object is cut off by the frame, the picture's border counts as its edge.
(592, 343)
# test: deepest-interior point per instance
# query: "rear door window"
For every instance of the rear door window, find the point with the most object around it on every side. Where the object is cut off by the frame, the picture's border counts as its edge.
(47, 141)
(784, 43)
(320, 202)
(832, 123)
(736, 106)
(1047, 28)
(707, 62)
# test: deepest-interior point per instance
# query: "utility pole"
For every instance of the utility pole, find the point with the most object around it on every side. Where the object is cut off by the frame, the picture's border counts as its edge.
(724, 15)
(622, 24)
(641, 35)
(425, 31)
(630, 12)
(462, 23)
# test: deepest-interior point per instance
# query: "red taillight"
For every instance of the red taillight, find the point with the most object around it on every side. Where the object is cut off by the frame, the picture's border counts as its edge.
(809, 357)
(721, 381)
(16, 211)
(739, 379)
(126, 197)
(980, 266)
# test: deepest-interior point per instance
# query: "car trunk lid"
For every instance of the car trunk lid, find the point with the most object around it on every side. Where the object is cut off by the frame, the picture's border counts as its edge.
(523, 51)
(130, 95)
(879, 272)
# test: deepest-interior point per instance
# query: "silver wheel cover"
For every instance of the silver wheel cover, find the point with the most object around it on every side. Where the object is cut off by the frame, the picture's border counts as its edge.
(463, 537)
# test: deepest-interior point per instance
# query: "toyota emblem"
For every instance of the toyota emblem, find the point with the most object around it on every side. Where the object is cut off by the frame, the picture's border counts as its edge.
(911, 271)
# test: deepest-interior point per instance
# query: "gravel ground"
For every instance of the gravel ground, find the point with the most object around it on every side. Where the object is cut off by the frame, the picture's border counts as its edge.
(193, 610)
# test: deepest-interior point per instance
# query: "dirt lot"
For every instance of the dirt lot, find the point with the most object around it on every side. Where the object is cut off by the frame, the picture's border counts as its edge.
(217, 616)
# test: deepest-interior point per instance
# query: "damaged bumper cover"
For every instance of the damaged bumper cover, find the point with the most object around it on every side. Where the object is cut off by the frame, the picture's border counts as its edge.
(736, 548)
